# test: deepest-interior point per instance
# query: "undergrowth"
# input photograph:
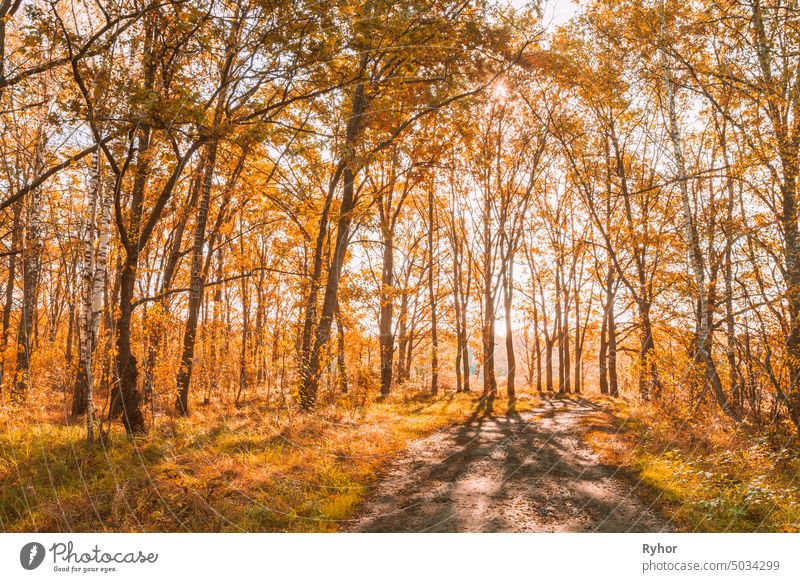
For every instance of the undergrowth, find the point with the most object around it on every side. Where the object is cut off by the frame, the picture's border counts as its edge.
(706, 475)
(249, 468)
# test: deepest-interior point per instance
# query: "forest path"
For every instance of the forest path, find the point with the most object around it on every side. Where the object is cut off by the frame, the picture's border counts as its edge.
(528, 472)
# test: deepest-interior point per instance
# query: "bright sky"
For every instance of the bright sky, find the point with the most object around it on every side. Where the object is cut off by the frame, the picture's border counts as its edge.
(558, 12)
(555, 11)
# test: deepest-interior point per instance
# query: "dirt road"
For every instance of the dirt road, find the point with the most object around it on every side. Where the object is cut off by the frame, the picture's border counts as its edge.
(528, 472)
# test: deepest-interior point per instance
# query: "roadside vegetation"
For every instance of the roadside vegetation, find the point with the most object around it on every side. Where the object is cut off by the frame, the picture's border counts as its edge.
(706, 476)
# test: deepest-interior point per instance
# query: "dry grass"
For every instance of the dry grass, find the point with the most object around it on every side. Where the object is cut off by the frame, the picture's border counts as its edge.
(706, 475)
(250, 468)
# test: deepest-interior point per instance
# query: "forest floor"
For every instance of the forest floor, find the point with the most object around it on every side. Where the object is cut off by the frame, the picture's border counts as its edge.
(408, 463)
(257, 467)
(518, 472)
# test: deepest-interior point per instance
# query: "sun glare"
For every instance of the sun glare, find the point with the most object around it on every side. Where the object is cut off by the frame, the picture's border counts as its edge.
(500, 91)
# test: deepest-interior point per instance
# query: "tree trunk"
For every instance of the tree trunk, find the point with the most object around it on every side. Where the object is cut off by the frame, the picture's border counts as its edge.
(196, 286)
(696, 259)
(464, 338)
(341, 368)
(602, 355)
(310, 311)
(613, 384)
(489, 379)
(310, 370)
(310, 383)
(31, 268)
(402, 337)
(548, 361)
(16, 237)
(126, 399)
(170, 267)
(565, 338)
(125, 396)
(457, 317)
(578, 343)
(216, 320)
(432, 296)
(537, 346)
(788, 145)
(385, 322)
(559, 329)
(508, 290)
(92, 283)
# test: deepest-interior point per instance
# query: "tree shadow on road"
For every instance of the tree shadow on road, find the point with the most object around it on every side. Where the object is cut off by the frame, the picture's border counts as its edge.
(510, 472)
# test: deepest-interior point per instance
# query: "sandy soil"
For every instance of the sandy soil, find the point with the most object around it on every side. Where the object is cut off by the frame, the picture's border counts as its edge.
(527, 472)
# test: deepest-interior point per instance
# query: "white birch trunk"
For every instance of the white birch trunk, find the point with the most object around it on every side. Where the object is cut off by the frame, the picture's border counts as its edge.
(696, 261)
(93, 274)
